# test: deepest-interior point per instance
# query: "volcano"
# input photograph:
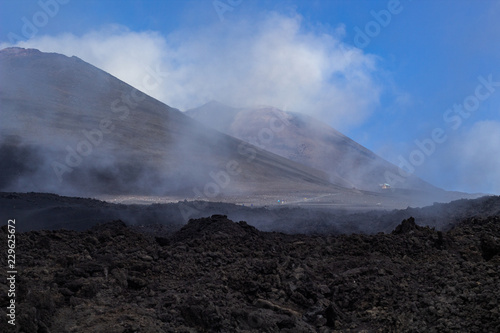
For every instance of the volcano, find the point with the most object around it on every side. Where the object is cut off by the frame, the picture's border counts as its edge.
(306, 140)
(70, 128)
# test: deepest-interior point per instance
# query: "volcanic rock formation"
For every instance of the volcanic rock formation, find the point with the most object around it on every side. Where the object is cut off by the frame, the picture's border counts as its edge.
(214, 275)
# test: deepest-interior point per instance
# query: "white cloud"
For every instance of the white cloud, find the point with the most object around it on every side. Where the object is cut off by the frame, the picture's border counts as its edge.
(270, 60)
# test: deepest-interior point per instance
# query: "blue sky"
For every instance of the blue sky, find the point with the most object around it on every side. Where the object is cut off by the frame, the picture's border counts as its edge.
(385, 73)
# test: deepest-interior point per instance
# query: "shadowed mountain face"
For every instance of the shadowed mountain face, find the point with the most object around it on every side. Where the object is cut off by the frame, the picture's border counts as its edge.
(308, 141)
(68, 127)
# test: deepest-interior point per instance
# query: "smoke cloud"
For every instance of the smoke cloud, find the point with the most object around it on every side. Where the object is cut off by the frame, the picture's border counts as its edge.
(272, 59)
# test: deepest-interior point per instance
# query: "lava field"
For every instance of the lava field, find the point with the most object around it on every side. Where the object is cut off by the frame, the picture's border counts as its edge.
(215, 275)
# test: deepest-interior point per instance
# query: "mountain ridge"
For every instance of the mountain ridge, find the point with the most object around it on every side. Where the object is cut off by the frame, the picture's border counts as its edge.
(105, 136)
(308, 141)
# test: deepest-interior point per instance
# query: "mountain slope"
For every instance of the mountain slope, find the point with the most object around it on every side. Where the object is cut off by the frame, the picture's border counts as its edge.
(308, 141)
(70, 128)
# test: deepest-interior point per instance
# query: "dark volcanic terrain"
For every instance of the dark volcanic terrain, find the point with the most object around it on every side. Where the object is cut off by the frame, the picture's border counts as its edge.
(214, 275)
